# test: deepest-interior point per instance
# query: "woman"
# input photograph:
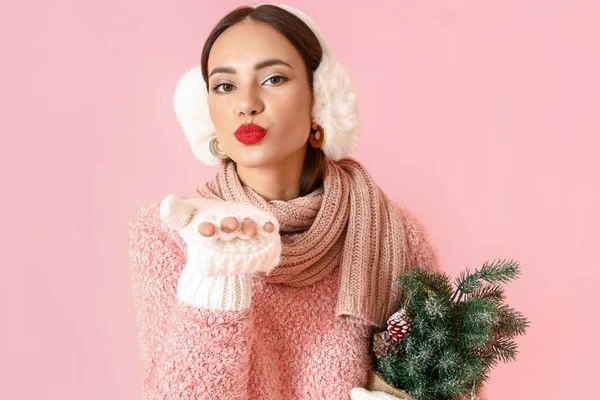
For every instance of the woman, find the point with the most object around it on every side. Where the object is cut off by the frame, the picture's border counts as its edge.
(266, 284)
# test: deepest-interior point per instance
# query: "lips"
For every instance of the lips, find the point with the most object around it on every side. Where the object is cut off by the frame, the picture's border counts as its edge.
(250, 133)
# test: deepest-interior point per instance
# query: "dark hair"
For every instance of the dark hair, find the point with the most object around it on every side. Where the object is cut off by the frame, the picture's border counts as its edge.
(303, 39)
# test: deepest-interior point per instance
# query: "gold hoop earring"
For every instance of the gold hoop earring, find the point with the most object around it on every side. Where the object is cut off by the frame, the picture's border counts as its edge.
(317, 139)
(214, 149)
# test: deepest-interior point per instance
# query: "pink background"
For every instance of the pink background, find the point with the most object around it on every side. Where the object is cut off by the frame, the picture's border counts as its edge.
(481, 116)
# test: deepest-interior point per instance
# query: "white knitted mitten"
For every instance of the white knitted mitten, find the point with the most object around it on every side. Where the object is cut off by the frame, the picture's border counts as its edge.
(217, 272)
(364, 394)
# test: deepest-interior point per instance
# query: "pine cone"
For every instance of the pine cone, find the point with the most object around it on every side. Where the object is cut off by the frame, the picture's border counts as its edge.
(399, 325)
(384, 344)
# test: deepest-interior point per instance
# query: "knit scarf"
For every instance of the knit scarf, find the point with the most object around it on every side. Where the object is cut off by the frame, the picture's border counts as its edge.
(348, 223)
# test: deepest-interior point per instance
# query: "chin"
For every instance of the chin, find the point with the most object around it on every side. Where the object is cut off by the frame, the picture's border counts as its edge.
(255, 158)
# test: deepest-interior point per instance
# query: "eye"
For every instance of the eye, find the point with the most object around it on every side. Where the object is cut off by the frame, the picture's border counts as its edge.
(216, 87)
(277, 77)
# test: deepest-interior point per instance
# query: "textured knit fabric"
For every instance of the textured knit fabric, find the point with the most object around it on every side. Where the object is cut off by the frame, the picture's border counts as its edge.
(348, 224)
(288, 344)
(227, 293)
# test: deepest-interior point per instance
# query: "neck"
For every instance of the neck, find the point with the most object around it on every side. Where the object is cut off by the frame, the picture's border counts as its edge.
(277, 181)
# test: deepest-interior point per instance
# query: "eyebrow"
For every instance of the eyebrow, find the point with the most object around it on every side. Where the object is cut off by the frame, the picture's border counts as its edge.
(260, 65)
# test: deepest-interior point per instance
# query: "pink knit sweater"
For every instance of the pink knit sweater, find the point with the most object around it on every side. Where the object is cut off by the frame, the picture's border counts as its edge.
(287, 345)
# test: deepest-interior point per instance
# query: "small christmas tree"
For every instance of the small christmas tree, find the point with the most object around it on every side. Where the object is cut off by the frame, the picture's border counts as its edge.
(450, 338)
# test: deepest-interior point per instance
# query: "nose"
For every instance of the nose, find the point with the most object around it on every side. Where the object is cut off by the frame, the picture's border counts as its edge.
(249, 102)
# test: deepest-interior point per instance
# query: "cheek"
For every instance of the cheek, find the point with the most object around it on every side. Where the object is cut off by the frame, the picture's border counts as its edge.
(293, 112)
(215, 109)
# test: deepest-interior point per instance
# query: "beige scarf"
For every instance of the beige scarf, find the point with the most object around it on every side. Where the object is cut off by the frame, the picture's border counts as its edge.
(349, 223)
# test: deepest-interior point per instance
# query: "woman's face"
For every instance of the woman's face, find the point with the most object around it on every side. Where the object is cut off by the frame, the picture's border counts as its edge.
(276, 97)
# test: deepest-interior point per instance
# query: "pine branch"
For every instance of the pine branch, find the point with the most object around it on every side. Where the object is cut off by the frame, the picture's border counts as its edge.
(409, 280)
(435, 281)
(501, 271)
(436, 307)
(448, 361)
(487, 359)
(495, 292)
(467, 282)
(477, 319)
(501, 349)
(512, 322)
(507, 350)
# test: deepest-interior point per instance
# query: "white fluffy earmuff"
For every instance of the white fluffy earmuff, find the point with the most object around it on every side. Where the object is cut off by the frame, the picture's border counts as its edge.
(335, 107)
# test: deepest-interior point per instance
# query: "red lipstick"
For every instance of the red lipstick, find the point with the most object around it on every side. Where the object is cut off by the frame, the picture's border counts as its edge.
(250, 133)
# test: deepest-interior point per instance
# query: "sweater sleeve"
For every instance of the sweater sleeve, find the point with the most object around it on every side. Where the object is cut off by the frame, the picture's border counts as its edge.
(186, 352)
(422, 252)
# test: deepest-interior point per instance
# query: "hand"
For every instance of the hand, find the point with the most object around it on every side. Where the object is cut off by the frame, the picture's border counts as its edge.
(231, 224)
(226, 242)
(224, 238)
(364, 394)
